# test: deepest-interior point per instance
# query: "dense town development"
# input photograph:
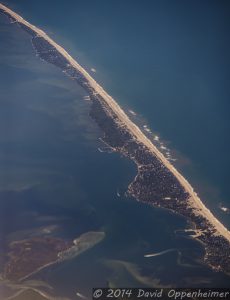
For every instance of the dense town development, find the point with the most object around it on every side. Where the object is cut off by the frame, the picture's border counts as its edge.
(157, 182)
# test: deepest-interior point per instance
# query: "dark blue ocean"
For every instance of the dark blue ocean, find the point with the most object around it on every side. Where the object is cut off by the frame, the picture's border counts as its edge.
(166, 60)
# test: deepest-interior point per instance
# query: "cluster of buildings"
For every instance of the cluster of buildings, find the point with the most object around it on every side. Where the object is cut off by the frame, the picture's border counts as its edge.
(155, 183)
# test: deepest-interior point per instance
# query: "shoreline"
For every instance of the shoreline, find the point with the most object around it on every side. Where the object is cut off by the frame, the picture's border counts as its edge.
(122, 120)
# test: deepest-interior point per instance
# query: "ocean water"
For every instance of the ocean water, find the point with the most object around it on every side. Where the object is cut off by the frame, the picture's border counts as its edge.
(167, 61)
(170, 64)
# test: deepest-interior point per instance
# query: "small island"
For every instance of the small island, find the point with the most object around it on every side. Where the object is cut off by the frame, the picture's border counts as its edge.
(28, 257)
(157, 182)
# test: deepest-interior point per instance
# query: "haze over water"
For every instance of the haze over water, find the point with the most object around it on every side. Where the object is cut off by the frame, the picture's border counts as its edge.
(170, 64)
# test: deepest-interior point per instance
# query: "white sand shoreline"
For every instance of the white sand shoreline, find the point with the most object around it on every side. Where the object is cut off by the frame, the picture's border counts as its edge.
(195, 201)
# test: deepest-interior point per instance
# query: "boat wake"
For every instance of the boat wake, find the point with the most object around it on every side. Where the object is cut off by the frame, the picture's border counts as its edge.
(161, 253)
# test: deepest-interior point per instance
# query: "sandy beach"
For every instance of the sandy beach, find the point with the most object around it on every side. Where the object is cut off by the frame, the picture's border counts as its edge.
(194, 200)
